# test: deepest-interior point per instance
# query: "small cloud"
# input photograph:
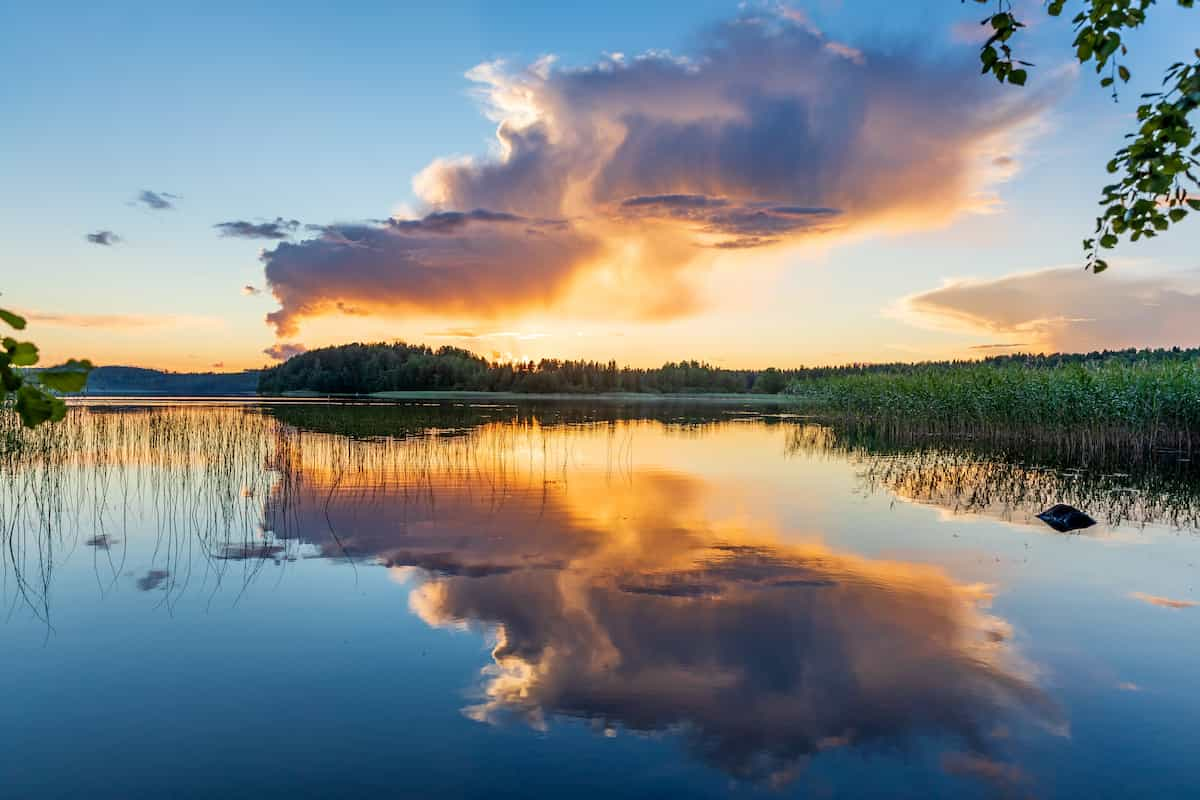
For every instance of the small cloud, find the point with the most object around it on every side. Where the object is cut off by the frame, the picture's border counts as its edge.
(106, 238)
(454, 333)
(969, 32)
(251, 291)
(998, 346)
(218, 364)
(123, 321)
(152, 580)
(450, 221)
(973, 765)
(158, 201)
(1128, 686)
(1162, 602)
(674, 201)
(282, 351)
(279, 228)
(846, 51)
(101, 542)
(470, 333)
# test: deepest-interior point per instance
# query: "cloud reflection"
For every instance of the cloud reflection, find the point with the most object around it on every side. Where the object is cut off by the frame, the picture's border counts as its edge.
(630, 604)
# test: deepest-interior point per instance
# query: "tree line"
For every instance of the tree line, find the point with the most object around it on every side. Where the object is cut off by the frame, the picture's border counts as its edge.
(391, 367)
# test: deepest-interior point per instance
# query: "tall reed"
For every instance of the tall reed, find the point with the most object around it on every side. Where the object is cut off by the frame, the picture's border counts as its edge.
(1146, 404)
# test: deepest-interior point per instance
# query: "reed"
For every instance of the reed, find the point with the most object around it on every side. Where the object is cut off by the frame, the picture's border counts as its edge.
(1143, 405)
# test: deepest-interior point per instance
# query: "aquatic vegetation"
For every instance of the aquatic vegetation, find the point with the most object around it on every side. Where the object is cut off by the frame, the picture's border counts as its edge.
(1145, 404)
(1012, 478)
(196, 473)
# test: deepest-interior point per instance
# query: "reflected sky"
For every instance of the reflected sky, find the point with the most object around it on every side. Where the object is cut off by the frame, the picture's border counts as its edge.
(622, 600)
(699, 603)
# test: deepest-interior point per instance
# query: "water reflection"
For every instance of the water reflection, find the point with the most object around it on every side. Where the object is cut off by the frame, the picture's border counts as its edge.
(977, 476)
(639, 593)
(620, 596)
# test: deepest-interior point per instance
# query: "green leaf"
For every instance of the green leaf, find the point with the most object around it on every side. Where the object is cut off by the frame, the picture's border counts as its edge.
(1018, 77)
(23, 354)
(69, 377)
(13, 320)
(1124, 73)
(35, 406)
(9, 380)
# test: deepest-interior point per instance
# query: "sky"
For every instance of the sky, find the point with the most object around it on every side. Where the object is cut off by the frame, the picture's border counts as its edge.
(213, 188)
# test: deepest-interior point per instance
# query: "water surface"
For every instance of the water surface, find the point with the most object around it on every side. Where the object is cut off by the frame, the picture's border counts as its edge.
(493, 600)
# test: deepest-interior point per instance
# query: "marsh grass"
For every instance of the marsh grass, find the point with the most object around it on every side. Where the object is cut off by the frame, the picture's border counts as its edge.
(1135, 407)
(190, 475)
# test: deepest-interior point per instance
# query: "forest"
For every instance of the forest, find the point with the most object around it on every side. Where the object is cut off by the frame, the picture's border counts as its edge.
(390, 367)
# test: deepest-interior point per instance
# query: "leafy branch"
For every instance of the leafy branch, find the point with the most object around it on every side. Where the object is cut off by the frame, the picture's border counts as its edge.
(35, 400)
(1159, 168)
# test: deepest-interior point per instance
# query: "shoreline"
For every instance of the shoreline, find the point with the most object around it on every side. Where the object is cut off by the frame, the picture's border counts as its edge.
(451, 395)
(588, 397)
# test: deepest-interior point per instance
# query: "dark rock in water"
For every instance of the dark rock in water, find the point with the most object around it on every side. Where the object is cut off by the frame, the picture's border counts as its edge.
(1064, 518)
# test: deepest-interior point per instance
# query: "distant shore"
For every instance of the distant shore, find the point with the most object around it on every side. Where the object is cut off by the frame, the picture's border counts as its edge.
(589, 397)
(451, 395)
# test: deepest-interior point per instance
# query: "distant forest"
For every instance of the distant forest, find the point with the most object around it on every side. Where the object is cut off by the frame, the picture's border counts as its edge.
(136, 380)
(390, 367)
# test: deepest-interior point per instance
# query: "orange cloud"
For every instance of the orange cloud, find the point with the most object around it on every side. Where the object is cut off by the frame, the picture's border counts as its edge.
(1069, 310)
(1163, 602)
(121, 321)
(632, 173)
(974, 765)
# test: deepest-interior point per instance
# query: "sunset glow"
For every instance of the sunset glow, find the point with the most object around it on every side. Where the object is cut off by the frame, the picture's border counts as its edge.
(750, 185)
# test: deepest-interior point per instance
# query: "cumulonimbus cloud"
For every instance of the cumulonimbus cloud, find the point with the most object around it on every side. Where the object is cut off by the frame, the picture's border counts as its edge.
(1069, 310)
(766, 135)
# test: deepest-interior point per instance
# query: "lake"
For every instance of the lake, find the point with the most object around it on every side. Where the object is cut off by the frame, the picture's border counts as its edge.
(427, 599)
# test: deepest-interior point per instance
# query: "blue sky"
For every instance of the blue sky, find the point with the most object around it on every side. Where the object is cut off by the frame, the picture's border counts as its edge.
(324, 115)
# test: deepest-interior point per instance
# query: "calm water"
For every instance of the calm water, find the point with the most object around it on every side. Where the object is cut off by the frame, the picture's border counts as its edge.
(438, 600)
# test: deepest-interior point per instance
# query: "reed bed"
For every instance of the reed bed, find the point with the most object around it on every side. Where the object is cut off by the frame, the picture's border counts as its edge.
(1138, 406)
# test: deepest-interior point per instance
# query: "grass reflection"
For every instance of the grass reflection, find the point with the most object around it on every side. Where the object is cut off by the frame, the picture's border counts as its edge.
(1010, 480)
